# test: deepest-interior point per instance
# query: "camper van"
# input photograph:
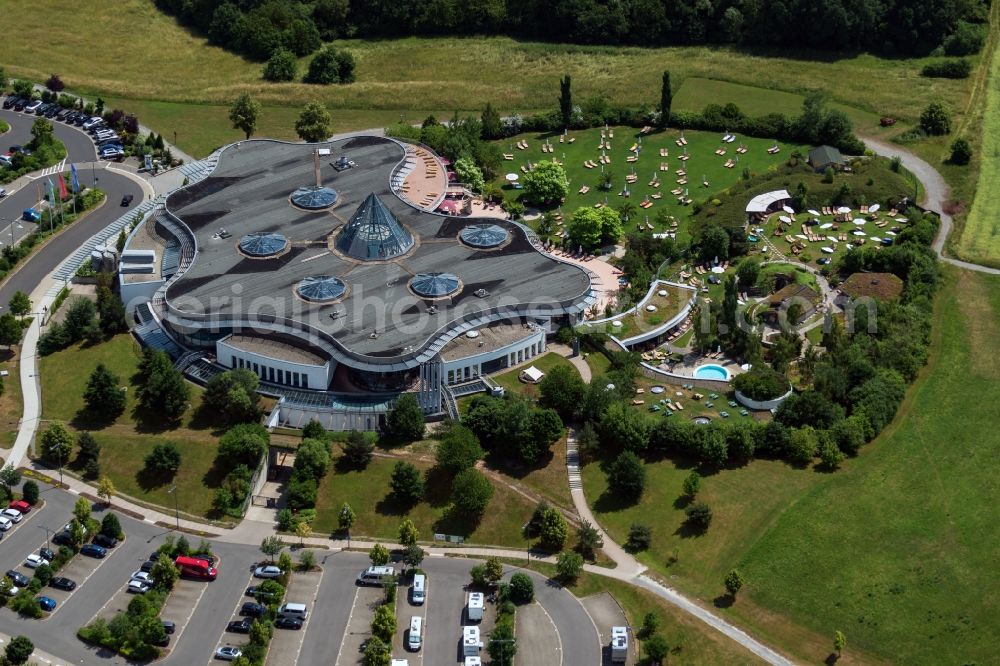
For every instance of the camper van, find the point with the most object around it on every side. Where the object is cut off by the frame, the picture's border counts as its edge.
(475, 606)
(418, 593)
(619, 645)
(399, 662)
(473, 661)
(470, 642)
(415, 638)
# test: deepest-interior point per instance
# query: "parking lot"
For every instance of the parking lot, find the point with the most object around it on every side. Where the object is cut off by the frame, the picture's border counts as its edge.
(286, 645)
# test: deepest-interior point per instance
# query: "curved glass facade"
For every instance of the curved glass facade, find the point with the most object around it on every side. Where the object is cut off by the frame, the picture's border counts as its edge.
(263, 244)
(435, 285)
(484, 236)
(321, 289)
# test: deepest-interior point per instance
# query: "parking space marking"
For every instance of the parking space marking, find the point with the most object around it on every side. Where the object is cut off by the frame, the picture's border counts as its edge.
(555, 630)
(305, 625)
(87, 577)
(236, 610)
(350, 615)
(187, 620)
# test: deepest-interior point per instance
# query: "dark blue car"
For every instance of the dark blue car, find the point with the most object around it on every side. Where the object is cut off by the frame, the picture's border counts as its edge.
(31, 215)
(47, 603)
(93, 550)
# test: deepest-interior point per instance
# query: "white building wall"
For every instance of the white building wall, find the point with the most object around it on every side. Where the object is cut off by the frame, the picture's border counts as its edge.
(470, 367)
(276, 371)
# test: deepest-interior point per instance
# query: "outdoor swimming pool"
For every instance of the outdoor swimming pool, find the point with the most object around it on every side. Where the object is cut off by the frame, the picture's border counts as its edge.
(711, 371)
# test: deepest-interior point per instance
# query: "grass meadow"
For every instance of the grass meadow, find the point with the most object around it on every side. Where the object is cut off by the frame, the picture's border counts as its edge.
(979, 240)
(895, 549)
(10, 402)
(126, 442)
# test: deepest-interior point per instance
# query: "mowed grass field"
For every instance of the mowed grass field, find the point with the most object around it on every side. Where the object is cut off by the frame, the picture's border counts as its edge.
(125, 443)
(152, 58)
(702, 165)
(10, 402)
(379, 515)
(896, 549)
(979, 240)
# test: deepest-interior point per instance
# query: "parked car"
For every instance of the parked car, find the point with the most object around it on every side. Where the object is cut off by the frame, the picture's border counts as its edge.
(5, 524)
(47, 603)
(138, 587)
(93, 550)
(63, 583)
(3, 193)
(240, 626)
(147, 566)
(127, 200)
(20, 149)
(21, 104)
(6, 160)
(47, 553)
(92, 123)
(142, 576)
(8, 102)
(63, 113)
(33, 106)
(34, 561)
(12, 514)
(288, 623)
(105, 541)
(17, 577)
(20, 505)
(228, 653)
(252, 609)
(31, 215)
(269, 571)
(52, 111)
(42, 108)
(169, 626)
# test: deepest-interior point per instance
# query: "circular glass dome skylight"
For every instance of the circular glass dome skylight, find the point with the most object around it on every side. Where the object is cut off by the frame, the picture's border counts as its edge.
(435, 285)
(263, 244)
(484, 236)
(321, 289)
(314, 198)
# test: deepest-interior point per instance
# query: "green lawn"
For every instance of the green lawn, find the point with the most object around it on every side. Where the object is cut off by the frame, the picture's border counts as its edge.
(10, 402)
(895, 549)
(378, 515)
(643, 320)
(703, 165)
(509, 380)
(126, 442)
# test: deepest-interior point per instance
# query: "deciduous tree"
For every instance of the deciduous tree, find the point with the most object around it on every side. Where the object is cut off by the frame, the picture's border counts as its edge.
(244, 113)
(313, 124)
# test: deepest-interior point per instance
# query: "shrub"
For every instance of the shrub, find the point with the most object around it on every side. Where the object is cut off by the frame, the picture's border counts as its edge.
(164, 459)
(569, 564)
(761, 383)
(699, 516)
(639, 538)
(627, 477)
(961, 152)
(948, 69)
(935, 120)
(522, 588)
(111, 527)
(29, 492)
(281, 66)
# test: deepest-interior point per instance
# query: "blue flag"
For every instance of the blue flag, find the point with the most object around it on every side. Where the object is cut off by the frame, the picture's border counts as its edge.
(76, 180)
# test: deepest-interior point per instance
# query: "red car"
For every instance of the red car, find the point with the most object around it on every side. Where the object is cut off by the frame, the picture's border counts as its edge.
(20, 505)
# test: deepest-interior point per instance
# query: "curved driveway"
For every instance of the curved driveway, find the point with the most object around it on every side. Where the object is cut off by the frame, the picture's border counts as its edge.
(936, 194)
(80, 150)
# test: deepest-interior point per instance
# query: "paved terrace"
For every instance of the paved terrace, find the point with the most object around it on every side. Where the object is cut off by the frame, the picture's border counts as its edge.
(249, 192)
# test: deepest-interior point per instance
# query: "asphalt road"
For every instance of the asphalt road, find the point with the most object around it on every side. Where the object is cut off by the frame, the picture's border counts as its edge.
(80, 150)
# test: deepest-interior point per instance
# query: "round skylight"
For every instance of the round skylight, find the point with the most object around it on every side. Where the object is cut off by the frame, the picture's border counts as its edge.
(435, 285)
(484, 236)
(263, 244)
(314, 198)
(321, 289)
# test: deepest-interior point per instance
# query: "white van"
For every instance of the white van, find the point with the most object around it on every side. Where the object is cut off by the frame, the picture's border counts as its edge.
(294, 610)
(415, 638)
(418, 593)
(473, 661)
(375, 575)
(470, 642)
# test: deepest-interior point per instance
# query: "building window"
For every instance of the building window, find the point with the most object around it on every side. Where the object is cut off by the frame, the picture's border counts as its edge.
(270, 374)
(256, 370)
(305, 380)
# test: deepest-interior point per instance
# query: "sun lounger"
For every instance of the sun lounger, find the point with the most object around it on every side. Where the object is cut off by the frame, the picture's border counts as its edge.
(647, 204)
(631, 158)
(571, 139)
(677, 192)
(508, 156)
(561, 138)
(720, 151)
(584, 189)
(664, 152)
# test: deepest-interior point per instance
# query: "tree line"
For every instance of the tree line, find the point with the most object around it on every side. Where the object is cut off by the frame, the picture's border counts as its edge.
(893, 27)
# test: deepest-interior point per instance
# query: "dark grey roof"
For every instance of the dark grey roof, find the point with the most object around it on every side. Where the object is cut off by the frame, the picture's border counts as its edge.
(314, 198)
(263, 244)
(373, 233)
(824, 155)
(484, 236)
(248, 193)
(435, 285)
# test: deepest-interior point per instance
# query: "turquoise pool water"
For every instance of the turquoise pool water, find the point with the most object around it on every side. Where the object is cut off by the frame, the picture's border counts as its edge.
(711, 371)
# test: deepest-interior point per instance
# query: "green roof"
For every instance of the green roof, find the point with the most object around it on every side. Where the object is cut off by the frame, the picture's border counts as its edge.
(824, 155)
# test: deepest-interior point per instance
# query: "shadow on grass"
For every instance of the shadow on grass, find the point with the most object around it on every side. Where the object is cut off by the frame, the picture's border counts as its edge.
(437, 487)
(688, 530)
(610, 502)
(724, 601)
(683, 501)
(393, 505)
(454, 522)
(515, 469)
(149, 479)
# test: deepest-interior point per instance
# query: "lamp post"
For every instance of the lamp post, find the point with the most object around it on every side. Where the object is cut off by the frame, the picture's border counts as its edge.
(48, 532)
(177, 513)
(503, 655)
